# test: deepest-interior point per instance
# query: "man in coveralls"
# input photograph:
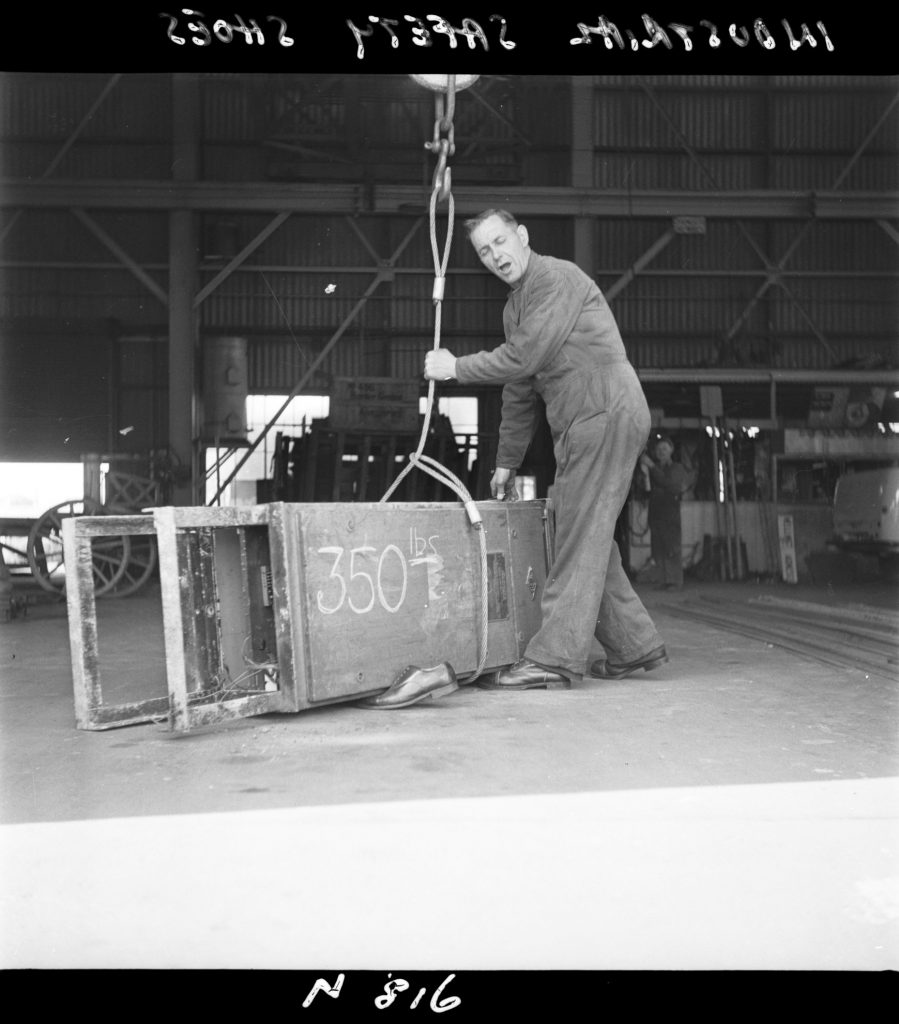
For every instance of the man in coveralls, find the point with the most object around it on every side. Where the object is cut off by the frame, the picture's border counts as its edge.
(562, 343)
(668, 481)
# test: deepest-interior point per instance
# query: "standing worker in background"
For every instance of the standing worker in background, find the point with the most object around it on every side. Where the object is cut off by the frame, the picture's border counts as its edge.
(667, 482)
(563, 344)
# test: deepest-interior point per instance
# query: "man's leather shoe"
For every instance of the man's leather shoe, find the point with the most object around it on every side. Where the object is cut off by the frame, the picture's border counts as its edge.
(414, 684)
(528, 676)
(610, 670)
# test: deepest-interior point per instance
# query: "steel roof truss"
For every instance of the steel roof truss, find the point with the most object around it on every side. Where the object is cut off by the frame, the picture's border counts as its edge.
(249, 248)
(120, 254)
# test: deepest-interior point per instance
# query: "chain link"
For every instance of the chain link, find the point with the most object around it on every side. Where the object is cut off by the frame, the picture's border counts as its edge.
(443, 143)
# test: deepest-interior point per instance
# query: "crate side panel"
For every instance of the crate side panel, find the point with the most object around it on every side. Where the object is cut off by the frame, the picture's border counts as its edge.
(384, 591)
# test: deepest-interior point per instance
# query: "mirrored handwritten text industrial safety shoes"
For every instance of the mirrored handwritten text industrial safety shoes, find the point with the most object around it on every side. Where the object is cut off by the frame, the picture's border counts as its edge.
(412, 685)
(618, 670)
(527, 675)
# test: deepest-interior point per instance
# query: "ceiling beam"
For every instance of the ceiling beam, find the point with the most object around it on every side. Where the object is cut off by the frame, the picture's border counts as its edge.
(408, 199)
(847, 377)
(67, 145)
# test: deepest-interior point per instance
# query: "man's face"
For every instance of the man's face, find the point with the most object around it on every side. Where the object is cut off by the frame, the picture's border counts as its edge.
(664, 451)
(502, 249)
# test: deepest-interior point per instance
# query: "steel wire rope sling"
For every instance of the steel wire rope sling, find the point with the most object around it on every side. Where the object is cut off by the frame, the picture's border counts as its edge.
(443, 145)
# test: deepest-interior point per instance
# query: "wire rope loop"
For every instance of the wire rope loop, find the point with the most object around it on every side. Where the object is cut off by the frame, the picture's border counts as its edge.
(440, 265)
(444, 146)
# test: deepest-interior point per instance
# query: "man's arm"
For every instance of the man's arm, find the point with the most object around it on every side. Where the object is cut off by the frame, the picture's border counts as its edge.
(554, 304)
(502, 484)
(516, 428)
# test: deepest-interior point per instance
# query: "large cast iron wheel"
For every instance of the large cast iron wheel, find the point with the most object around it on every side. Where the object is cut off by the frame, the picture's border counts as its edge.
(110, 555)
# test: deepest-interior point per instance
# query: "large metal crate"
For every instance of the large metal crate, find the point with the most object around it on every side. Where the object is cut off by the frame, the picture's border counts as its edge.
(284, 607)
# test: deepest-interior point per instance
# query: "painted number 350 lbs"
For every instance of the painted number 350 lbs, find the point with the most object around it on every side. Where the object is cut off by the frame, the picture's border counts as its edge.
(367, 588)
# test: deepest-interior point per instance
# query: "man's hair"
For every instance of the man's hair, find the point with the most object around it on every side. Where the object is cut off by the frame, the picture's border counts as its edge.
(503, 215)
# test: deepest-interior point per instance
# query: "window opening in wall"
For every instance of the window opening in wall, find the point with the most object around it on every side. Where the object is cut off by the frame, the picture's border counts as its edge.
(294, 421)
(462, 412)
(28, 489)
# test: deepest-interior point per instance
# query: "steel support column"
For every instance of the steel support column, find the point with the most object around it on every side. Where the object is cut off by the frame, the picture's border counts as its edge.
(183, 319)
(183, 356)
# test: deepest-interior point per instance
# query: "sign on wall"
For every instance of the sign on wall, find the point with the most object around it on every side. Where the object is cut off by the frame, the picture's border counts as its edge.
(787, 542)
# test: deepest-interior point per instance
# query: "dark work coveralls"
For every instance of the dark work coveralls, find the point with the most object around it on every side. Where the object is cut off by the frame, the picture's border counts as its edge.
(667, 485)
(562, 343)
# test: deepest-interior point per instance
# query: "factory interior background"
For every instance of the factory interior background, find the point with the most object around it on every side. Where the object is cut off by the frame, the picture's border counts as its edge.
(217, 296)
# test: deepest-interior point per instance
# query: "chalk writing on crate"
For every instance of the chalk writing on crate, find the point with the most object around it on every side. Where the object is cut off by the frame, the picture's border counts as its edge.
(379, 586)
(194, 29)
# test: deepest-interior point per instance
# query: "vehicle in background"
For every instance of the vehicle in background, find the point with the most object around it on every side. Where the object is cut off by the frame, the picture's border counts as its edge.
(866, 514)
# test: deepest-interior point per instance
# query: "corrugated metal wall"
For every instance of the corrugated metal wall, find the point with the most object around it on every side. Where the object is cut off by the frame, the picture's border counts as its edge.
(702, 300)
(126, 136)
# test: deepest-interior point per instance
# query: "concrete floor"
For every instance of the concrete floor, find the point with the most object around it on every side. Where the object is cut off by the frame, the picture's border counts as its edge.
(734, 809)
